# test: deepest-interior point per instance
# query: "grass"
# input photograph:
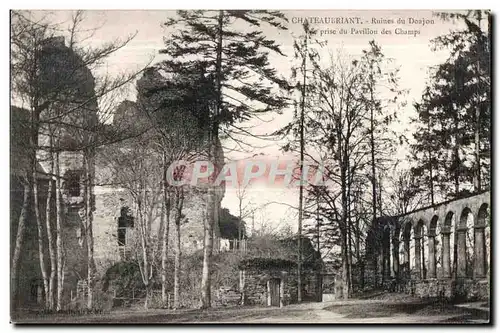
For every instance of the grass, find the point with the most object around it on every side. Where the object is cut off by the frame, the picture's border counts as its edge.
(374, 305)
(387, 305)
(154, 316)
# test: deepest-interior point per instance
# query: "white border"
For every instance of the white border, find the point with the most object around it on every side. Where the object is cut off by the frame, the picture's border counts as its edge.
(189, 4)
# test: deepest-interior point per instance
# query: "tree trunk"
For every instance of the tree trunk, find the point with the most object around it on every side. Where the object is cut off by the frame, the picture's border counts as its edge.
(59, 241)
(89, 229)
(240, 199)
(372, 151)
(349, 253)
(41, 254)
(146, 300)
(144, 267)
(343, 156)
(301, 187)
(431, 173)
(177, 260)
(21, 227)
(477, 129)
(164, 249)
(456, 146)
(213, 137)
(345, 268)
(207, 253)
(477, 178)
(50, 239)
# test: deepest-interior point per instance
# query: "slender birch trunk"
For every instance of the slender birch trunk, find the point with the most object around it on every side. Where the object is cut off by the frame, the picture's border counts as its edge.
(164, 249)
(21, 227)
(59, 240)
(50, 239)
(145, 267)
(41, 254)
(343, 156)
(207, 255)
(177, 260)
(89, 229)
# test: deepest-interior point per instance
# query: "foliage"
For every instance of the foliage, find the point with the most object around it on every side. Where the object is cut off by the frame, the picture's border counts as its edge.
(454, 108)
(238, 59)
(266, 263)
(122, 277)
(229, 224)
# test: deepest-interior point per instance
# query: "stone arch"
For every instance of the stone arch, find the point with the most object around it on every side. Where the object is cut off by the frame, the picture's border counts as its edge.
(405, 248)
(448, 253)
(482, 241)
(483, 215)
(409, 237)
(433, 225)
(396, 250)
(420, 248)
(465, 244)
(386, 251)
(435, 248)
(449, 221)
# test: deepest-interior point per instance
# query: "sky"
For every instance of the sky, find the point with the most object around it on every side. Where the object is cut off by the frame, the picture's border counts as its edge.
(412, 54)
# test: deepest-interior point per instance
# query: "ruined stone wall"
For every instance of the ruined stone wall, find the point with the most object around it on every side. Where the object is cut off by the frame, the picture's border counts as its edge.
(110, 200)
(75, 255)
(255, 286)
(440, 251)
(227, 297)
(459, 290)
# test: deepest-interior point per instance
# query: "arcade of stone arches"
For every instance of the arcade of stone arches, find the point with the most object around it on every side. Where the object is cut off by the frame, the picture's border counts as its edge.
(447, 241)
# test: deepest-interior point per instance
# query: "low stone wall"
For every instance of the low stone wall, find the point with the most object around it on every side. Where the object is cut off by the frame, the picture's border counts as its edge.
(228, 297)
(255, 286)
(472, 290)
(459, 289)
(433, 288)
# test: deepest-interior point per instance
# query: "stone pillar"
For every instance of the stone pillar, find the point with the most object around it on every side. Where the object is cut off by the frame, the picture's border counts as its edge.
(242, 286)
(479, 252)
(446, 254)
(461, 253)
(423, 266)
(395, 258)
(386, 260)
(380, 268)
(407, 258)
(282, 292)
(418, 256)
(431, 270)
(268, 292)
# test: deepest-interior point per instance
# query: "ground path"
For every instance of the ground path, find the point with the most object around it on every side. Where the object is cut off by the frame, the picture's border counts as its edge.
(383, 308)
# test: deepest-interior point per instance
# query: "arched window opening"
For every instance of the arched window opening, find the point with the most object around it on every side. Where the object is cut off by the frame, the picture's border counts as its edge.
(386, 260)
(422, 245)
(407, 241)
(435, 241)
(72, 181)
(465, 244)
(449, 248)
(125, 221)
(412, 249)
(482, 237)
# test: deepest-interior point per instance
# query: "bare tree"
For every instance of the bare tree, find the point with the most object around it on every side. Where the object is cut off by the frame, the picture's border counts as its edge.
(338, 123)
(55, 82)
(176, 107)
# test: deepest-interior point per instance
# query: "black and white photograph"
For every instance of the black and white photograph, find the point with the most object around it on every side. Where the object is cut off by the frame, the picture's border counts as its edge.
(250, 166)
